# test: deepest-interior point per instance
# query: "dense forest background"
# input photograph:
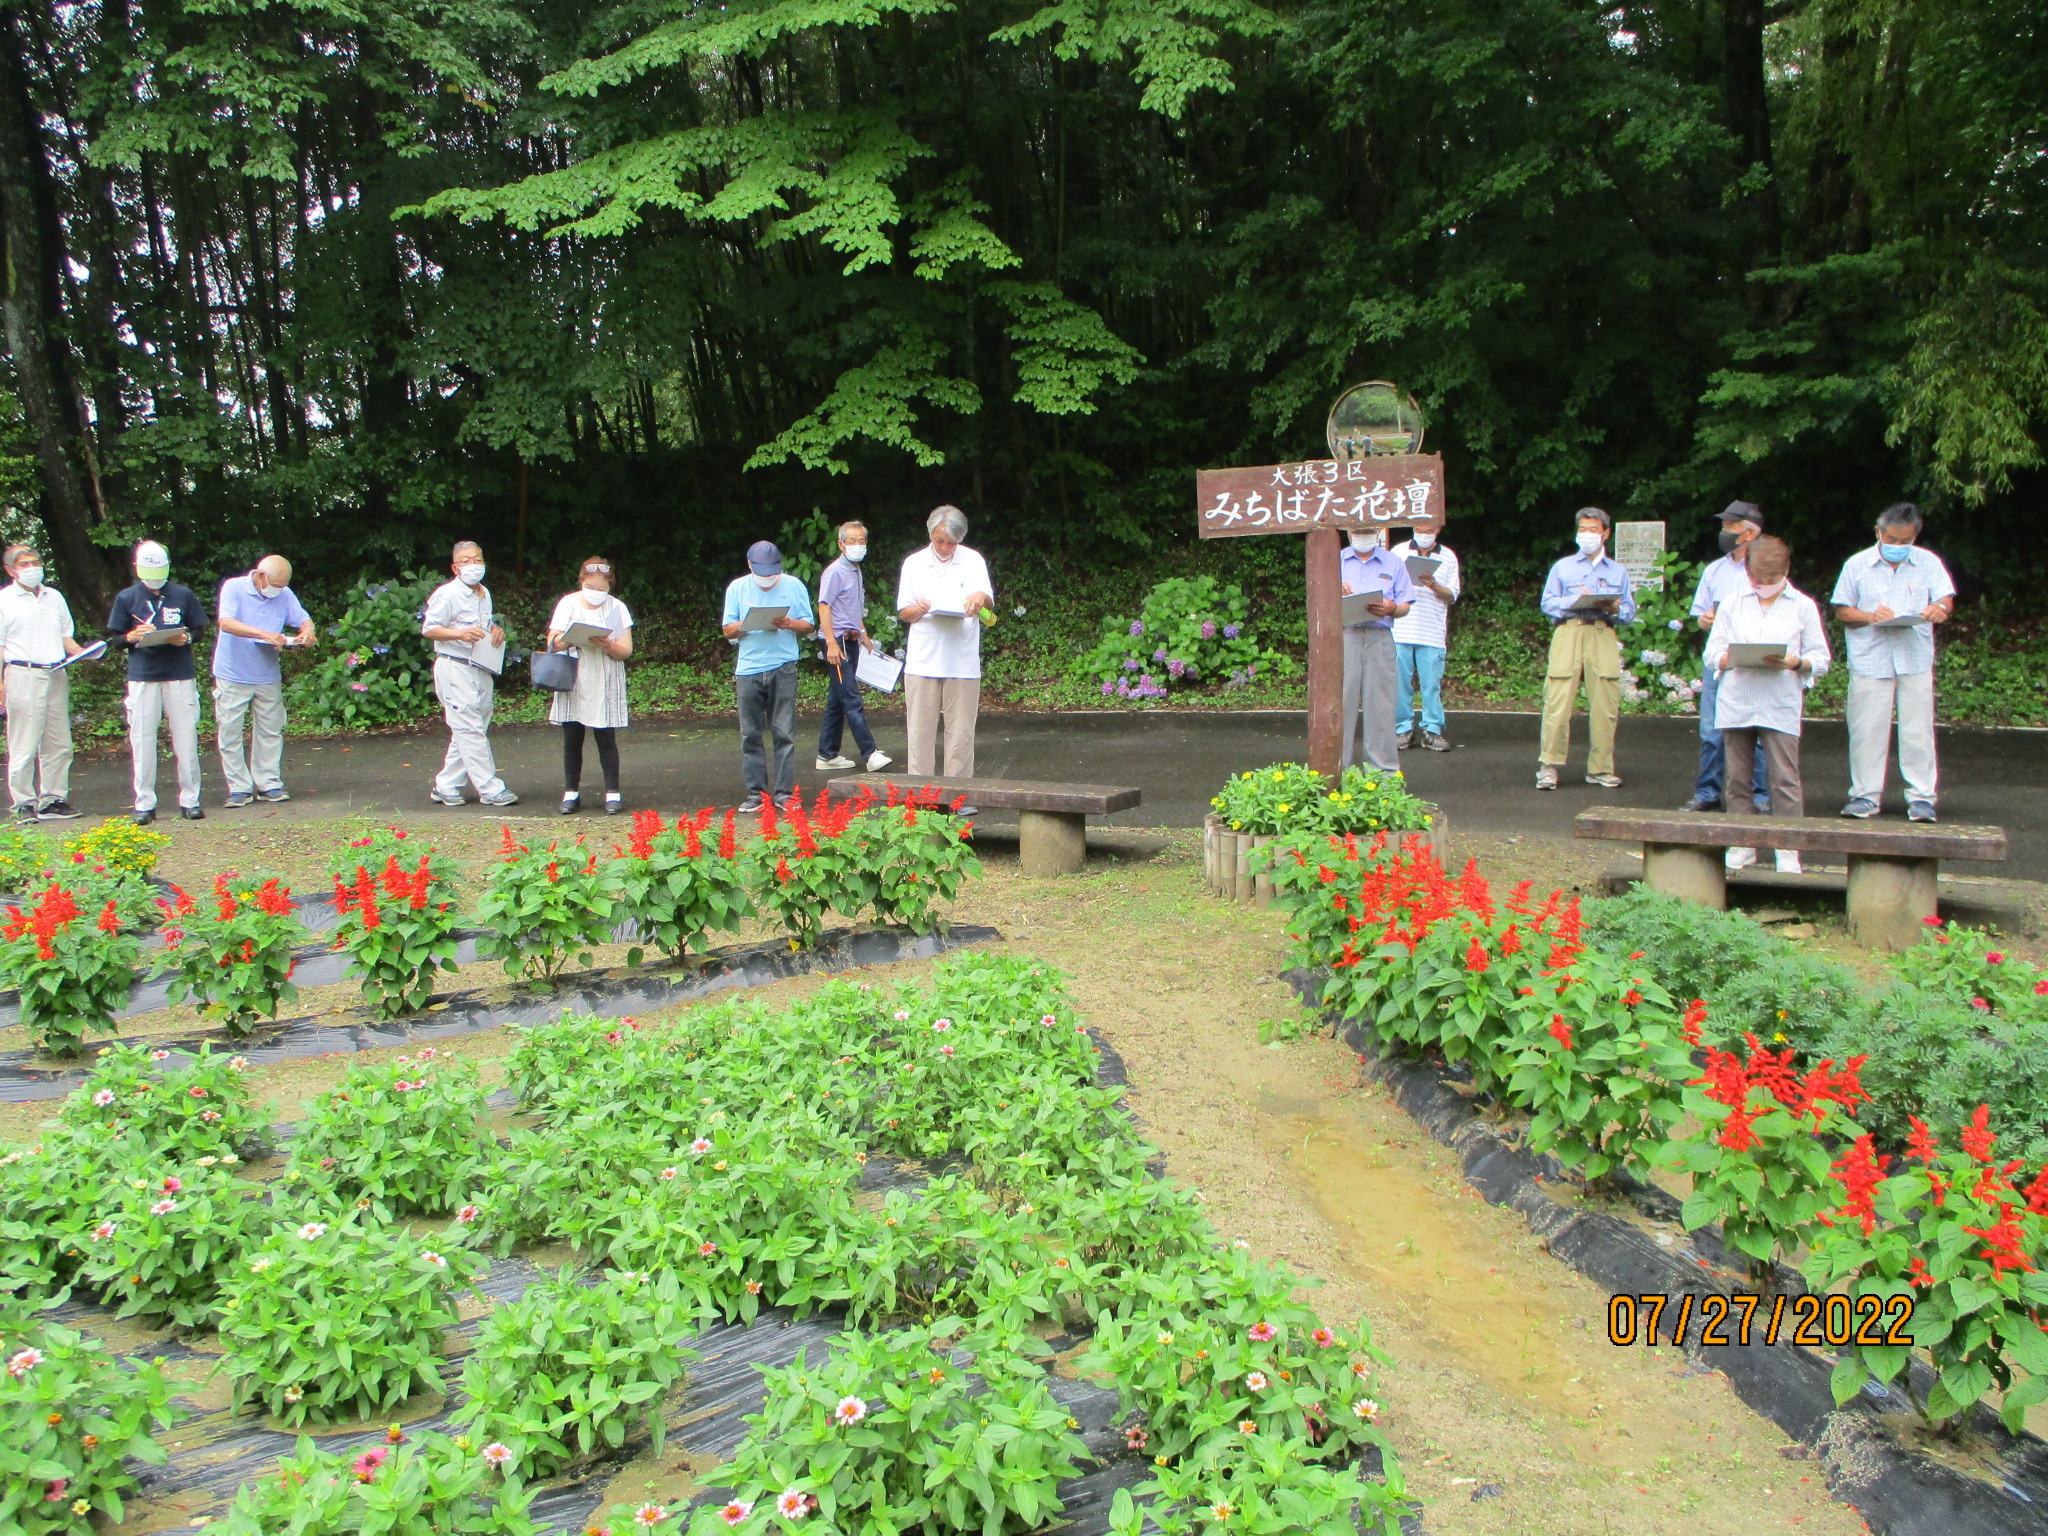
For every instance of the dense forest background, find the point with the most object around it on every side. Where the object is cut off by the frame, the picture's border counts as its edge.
(350, 278)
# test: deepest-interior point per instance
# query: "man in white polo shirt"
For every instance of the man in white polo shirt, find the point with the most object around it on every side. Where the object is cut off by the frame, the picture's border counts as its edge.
(941, 592)
(35, 636)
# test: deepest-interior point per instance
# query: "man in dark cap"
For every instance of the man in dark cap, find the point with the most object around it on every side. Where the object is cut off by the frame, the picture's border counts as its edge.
(764, 669)
(1741, 522)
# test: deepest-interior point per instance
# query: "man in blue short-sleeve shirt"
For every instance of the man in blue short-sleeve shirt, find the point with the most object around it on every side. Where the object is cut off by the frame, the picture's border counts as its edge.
(764, 670)
(259, 615)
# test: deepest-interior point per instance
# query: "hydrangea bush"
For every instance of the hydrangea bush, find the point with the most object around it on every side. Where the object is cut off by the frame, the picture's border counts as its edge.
(1191, 630)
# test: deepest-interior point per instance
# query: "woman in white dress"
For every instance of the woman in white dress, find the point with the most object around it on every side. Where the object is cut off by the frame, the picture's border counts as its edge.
(598, 701)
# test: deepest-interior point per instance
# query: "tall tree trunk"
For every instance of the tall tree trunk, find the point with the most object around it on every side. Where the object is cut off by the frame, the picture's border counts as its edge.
(30, 245)
(1749, 112)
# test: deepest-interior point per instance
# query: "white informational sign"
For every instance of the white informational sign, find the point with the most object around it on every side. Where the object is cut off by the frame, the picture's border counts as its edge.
(1638, 546)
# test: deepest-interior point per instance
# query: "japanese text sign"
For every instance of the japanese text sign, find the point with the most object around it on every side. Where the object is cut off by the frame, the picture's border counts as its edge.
(1399, 490)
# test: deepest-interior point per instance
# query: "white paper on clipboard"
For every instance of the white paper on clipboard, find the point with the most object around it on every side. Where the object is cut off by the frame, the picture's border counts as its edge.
(877, 670)
(488, 656)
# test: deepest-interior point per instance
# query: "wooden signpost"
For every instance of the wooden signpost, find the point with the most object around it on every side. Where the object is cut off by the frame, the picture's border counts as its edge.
(1323, 498)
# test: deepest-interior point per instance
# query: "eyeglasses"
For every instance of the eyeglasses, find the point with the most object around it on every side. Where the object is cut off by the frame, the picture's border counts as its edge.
(594, 569)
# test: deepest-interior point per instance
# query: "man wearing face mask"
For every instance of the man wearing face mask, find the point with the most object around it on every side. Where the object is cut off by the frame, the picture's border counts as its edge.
(1371, 671)
(940, 594)
(1421, 637)
(35, 636)
(1891, 663)
(1741, 522)
(764, 672)
(457, 617)
(843, 624)
(157, 620)
(258, 616)
(1585, 596)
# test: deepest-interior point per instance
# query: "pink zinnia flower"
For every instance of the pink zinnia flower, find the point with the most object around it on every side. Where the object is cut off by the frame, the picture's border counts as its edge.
(163, 1208)
(666, 1175)
(700, 1146)
(705, 1250)
(901, 1015)
(21, 1364)
(851, 1410)
(312, 1229)
(1261, 1332)
(209, 1115)
(1367, 1410)
(159, 1055)
(946, 1050)
(792, 1504)
(735, 1512)
(467, 1214)
(1358, 1369)
(433, 1258)
(1048, 1021)
(172, 1186)
(753, 1287)
(238, 1063)
(1256, 1381)
(58, 1488)
(497, 1453)
(1247, 1426)
(649, 1515)
(103, 1231)
(365, 1466)
(1324, 1337)
(942, 1025)
(104, 1097)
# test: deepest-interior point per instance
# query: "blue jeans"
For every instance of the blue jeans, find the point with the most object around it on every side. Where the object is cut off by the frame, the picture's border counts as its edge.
(1421, 666)
(1713, 775)
(843, 706)
(768, 702)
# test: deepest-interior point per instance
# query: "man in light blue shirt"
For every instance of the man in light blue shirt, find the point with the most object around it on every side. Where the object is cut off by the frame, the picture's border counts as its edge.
(1741, 522)
(764, 670)
(257, 617)
(1585, 595)
(1889, 598)
(1371, 697)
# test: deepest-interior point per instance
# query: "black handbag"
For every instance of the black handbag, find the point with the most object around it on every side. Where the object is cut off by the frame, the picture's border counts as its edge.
(554, 671)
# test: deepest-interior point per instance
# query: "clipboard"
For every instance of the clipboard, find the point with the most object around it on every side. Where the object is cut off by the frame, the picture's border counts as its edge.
(936, 612)
(1755, 656)
(579, 634)
(1596, 601)
(162, 636)
(1355, 611)
(488, 656)
(877, 669)
(759, 619)
(91, 652)
(1420, 569)
(1901, 621)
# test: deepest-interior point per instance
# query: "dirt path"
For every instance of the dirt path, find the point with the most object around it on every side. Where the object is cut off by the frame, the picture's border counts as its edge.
(1510, 1410)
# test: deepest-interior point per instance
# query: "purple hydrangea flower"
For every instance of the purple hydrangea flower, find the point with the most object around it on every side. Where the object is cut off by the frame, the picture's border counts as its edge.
(1230, 631)
(1137, 626)
(1208, 629)
(1130, 663)
(1177, 667)
(1160, 654)
(1108, 689)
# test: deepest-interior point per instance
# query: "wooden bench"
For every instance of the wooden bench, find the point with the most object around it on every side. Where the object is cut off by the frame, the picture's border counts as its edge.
(1892, 868)
(1052, 819)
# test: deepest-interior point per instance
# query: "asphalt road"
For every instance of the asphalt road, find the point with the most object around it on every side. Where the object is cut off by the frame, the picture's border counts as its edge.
(1486, 783)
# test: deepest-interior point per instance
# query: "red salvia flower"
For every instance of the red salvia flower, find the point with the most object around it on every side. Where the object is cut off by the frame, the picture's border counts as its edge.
(396, 885)
(728, 836)
(646, 827)
(1511, 941)
(768, 821)
(110, 919)
(783, 871)
(1977, 1137)
(2002, 1242)
(274, 899)
(1560, 1031)
(422, 882)
(1918, 1273)
(366, 899)
(1921, 1143)
(509, 848)
(2037, 1193)
(1475, 958)
(1695, 1016)
(554, 872)
(1631, 998)
(1860, 1170)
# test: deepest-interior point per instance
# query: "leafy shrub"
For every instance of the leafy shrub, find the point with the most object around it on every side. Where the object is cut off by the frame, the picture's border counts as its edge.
(1974, 968)
(1291, 798)
(96, 882)
(674, 888)
(70, 1418)
(893, 1433)
(234, 962)
(163, 1247)
(405, 1135)
(49, 1194)
(398, 925)
(381, 669)
(543, 907)
(119, 844)
(915, 859)
(436, 1485)
(1192, 629)
(23, 855)
(340, 1319)
(572, 1368)
(1660, 658)
(1261, 1484)
(799, 871)
(200, 1109)
(73, 975)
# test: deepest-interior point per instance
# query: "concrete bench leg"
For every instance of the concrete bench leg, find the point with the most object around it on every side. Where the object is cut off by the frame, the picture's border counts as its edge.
(1890, 899)
(1052, 842)
(1687, 871)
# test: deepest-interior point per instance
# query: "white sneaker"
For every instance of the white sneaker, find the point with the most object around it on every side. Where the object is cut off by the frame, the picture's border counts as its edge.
(1741, 858)
(878, 760)
(837, 764)
(1788, 862)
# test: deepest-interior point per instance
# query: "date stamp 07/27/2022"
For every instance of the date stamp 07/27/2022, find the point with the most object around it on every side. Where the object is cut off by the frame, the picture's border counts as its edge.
(1658, 1317)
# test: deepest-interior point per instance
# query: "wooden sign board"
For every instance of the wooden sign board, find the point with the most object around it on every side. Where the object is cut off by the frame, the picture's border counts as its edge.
(1396, 490)
(1638, 546)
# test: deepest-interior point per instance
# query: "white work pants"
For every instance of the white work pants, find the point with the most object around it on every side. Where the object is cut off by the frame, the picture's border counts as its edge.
(38, 734)
(1873, 701)
(149, 706)
(467, 698)
(262, 704)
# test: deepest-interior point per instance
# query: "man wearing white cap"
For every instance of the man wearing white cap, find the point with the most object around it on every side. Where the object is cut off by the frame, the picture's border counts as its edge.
(156, 621)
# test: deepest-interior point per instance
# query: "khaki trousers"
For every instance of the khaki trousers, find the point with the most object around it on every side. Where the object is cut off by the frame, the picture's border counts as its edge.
(1872, 703)
(261, 765)
(1582, 650)
(1780, 753)
(925, 701)
(38, 734)
(149, 706)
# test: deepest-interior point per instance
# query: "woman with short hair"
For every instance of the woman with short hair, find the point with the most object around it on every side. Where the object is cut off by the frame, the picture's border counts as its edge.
(598, 701)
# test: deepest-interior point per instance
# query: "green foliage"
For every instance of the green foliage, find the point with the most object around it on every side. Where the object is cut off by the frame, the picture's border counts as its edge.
(557, 1376)
(435, 1487)
(381, 669)
(50, 1192)
(234, 962)
(1262, 1485)
(401, 1136)
(674, 887)
(165, 1241)
(542, 908)
(70, 1418)
(1191, 630)
(339, 1318)
(23, 855)
(198, 1109)
(398, 926)
(1292, 800)
(72, 965)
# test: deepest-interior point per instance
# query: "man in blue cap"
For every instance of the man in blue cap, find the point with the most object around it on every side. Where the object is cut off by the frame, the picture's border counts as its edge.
(764, 669)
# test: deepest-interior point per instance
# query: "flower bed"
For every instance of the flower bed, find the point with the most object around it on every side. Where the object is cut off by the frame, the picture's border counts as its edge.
(708, 1167)
(1600, 1058)
(1292, 802)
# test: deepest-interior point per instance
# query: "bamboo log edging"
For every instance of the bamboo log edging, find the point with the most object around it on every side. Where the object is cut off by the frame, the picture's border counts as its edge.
(1226, 857)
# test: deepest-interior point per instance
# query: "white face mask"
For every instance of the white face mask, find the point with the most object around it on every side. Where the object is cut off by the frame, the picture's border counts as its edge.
(1365, 541)
(595, 596)
(471, 575)
(1424, 539)
(767, 583)
(155, 583)
(1769, 590)
(855, 553)
(30, 576)
(1589, 544)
